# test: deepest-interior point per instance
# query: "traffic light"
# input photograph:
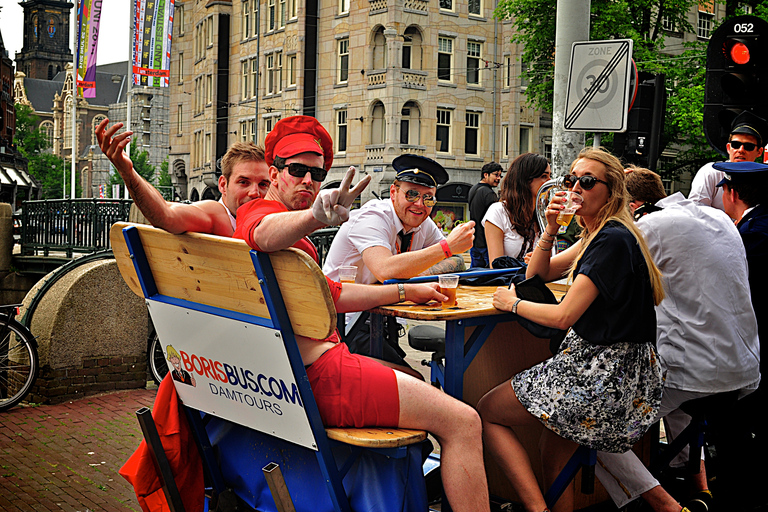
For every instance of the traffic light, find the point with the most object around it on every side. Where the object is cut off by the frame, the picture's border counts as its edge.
(640, 144)
(737, 76)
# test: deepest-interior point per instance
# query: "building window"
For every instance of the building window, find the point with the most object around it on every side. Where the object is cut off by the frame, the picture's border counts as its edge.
(475, 7)
(292, 9)
(46, 127)
(180, 119)
(667, 24)
(341, 131)
(269, 123)
(407, 50)
(181, 67)
(343, 6)
(443, 130)
(211, 38)
(291, 76)
(271, 15)
(473, 62)
(506, 72)
(548, 151)
(505, 141)
(444, 58)
(208, 89)
(178, 19)
(523, 76)
(246, 19)
(446, 5)
(245, 80)
(274, 72)
(525, 139)
(254, 77)
(472, 133)
(248, 130)
(343, 64)
(281, 18)
(704, 27)
(207, 149)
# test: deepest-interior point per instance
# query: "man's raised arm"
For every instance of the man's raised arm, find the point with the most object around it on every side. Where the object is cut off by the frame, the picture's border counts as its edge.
(173, 217)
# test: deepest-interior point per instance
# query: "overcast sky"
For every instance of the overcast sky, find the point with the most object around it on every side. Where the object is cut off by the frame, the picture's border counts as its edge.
(113, 33)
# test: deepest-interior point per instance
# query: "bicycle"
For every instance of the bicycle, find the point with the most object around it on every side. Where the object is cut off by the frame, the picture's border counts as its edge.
(158, 366)
(18, 358)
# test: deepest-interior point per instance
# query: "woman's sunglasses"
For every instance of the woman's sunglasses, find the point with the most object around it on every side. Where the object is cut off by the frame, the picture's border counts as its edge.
(298, 170)
(412, 196)
(587, 182)
(748, 146)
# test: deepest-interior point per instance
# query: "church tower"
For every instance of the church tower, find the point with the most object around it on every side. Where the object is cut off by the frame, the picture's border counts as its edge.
(46, 50)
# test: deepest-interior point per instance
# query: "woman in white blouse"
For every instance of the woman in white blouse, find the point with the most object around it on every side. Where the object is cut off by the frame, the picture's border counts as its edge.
(510, 225)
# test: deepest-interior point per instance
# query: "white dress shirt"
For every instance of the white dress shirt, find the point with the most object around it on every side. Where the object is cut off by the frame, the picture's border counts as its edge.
(376, 224)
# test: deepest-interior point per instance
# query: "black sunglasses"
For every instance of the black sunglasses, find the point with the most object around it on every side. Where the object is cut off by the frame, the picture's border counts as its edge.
(298, 170)
(587, 182)
(413, 195)
(748, 146)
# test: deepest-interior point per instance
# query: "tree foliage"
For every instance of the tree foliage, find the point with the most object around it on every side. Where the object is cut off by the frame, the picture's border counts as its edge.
(52, 171)
(639, 20)
(141, 165)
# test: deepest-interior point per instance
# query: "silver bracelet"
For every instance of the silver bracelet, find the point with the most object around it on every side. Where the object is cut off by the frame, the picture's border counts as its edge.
(401, 291)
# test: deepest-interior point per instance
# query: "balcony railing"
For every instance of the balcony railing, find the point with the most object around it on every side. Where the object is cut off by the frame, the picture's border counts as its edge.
(416, 5)
(378, 5)
(70, 225)
(377, 79)
(374, 151)
(414, 79)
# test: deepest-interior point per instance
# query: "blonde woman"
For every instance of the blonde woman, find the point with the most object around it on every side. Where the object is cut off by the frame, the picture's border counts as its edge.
(603, 388)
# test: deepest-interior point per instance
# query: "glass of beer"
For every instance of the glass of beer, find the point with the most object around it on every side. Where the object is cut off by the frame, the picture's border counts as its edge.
(572, 203)
(448, 284)
(347, 274)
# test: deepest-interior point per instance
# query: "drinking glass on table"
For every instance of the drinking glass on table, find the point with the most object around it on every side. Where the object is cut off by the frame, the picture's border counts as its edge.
(448, 284)
(347, 274)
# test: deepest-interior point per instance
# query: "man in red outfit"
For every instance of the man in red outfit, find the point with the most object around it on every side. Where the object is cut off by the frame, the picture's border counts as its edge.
(353, 390)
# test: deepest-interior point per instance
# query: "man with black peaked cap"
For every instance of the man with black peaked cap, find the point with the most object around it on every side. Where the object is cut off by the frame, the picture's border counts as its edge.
(395, 238)
(745, 144)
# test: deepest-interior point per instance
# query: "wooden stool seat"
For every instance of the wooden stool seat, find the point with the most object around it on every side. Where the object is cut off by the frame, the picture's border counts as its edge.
(376, 437)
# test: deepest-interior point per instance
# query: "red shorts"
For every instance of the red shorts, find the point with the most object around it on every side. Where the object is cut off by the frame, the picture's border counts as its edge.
(354, 391)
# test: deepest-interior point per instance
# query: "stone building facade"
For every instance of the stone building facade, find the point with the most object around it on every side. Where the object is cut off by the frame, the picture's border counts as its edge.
(385, 77)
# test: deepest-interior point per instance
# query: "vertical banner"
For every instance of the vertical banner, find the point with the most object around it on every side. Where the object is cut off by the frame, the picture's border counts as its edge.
(88, 17)
(151, 56)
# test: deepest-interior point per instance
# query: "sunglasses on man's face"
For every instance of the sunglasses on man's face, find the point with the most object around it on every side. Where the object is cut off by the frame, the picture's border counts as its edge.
(587, 181)
(748, 146)
(298, 170)
(412, 196)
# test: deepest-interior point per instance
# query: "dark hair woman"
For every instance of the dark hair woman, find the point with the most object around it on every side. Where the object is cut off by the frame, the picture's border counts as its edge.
(510, 225)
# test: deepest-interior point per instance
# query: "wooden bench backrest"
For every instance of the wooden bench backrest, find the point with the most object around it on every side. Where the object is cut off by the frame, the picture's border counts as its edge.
(219, 272)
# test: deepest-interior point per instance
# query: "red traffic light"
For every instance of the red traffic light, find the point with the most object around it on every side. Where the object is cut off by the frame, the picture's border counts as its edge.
(739, 53)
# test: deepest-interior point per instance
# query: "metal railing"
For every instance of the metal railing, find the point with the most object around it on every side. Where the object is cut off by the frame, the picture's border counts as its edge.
(70, 225)
(322, 239)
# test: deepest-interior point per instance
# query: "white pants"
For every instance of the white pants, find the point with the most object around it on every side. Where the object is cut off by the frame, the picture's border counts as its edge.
(624, 475)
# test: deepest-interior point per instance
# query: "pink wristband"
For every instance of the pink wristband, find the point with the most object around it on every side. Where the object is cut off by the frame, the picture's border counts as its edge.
(446, 248)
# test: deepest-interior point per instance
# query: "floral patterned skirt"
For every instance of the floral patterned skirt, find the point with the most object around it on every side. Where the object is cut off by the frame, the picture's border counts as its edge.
(603, 397)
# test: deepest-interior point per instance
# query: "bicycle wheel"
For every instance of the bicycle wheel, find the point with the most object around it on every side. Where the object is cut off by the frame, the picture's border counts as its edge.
(158, 366)
(18, 364)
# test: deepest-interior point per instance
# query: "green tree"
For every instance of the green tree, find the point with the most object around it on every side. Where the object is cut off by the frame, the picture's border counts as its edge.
(164, 183)
(50, 170)
(141, 165)
(639, 20)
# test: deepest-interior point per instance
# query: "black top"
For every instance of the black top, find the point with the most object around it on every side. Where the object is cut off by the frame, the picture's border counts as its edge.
(481, 197)
(624, 310)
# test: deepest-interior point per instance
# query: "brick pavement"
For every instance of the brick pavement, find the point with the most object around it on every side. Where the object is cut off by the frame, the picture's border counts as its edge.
(65, 457)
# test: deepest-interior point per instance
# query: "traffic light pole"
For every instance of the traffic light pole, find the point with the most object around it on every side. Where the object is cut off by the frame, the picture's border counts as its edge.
(572, 25)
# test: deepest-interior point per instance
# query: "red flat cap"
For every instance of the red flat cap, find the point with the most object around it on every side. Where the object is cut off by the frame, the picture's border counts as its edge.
(299, 134)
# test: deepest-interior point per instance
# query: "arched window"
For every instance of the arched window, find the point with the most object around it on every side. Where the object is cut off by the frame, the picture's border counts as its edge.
(412, 52)
(379, 49)
(378, 124)
(46, 127)
(410, 124)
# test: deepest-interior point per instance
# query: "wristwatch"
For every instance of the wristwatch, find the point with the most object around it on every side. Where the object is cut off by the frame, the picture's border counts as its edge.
(514, 306)
(401, 291)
